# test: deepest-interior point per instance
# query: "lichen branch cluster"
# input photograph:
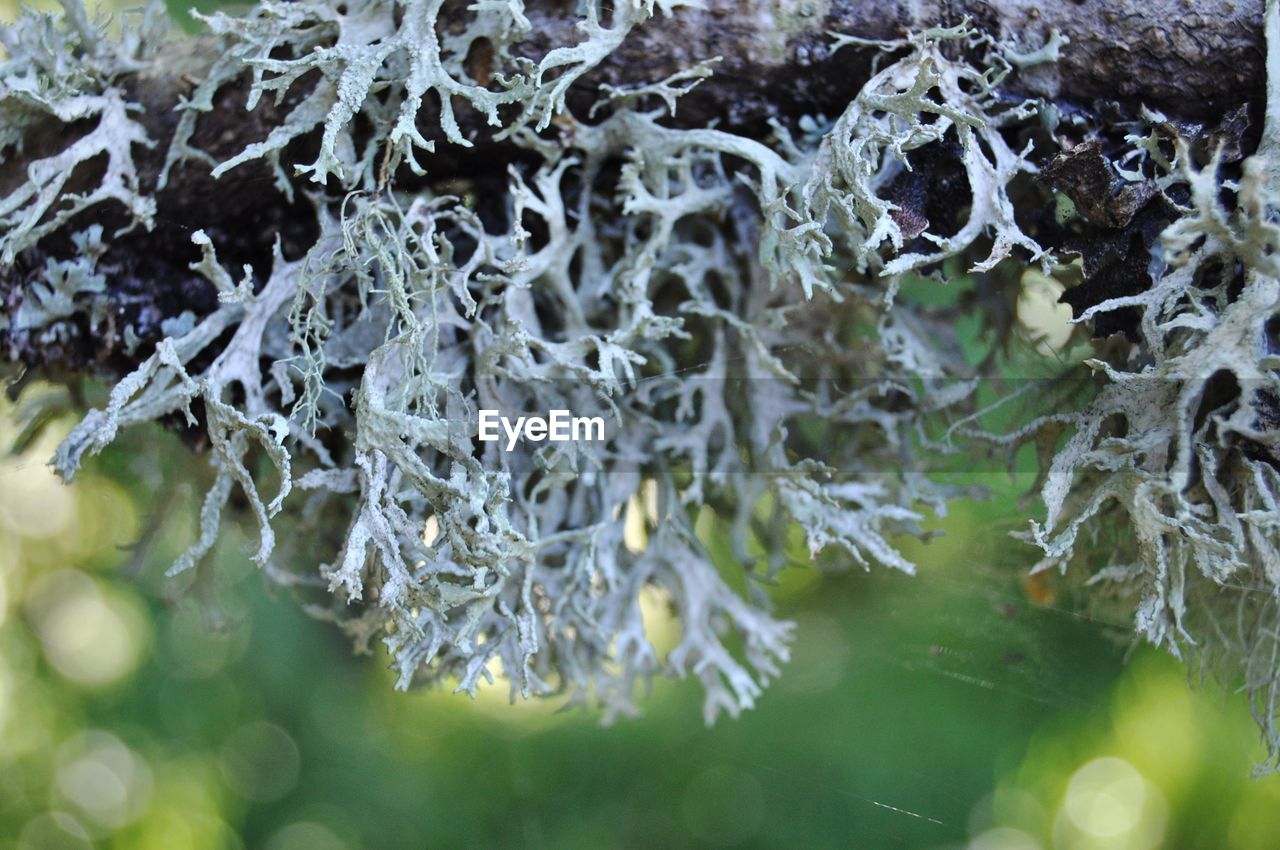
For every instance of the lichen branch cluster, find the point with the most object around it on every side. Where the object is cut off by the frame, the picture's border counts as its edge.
(729, 302)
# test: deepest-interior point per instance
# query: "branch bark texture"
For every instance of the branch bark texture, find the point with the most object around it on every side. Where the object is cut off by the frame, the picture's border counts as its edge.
(1196, 60)
(1193, 58)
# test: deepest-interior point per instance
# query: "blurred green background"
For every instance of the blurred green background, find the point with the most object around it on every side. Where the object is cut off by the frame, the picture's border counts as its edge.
(967, 707)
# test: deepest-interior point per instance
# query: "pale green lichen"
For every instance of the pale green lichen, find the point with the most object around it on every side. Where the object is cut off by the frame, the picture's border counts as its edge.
(727, 303)
(64, 73)
(66, 284)
(1181, 443)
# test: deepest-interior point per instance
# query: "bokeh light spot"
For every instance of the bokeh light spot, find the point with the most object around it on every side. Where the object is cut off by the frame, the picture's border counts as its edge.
(260, 761)
(1004, 838)
(54, 831)
(34, 503)
(1110, 804)
(306, 836)
(197, 649)
(103, 779)
(820, 656)
(1040, 312)
(93, 635)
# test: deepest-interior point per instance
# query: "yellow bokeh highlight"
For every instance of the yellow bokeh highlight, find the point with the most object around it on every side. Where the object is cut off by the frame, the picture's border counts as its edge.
(186, 810)
(1045, 319)
(104, 782)
(1109, 804)
(92, 634)
(1156, 727)
(1004, 838)
(1117, 785)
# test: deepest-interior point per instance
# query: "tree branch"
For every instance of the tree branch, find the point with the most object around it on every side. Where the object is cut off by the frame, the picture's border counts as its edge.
(1194, 60)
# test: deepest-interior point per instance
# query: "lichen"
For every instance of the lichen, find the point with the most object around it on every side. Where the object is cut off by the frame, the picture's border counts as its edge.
(64, 72)
(729, 304)
(1180, 445)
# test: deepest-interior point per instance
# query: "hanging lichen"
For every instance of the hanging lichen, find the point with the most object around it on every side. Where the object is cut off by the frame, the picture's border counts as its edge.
(728, 304)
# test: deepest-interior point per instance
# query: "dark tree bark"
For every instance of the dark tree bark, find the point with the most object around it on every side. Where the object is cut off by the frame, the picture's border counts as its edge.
(1193, 58)
(1196, 60)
